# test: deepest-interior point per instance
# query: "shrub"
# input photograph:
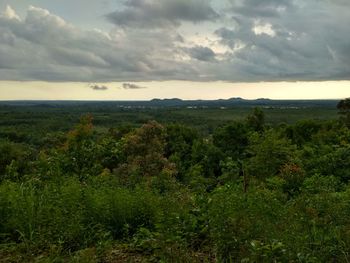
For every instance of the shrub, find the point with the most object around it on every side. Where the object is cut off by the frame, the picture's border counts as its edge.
(236, 219)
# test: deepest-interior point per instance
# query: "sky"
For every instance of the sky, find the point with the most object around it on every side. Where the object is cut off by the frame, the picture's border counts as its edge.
(189, 49)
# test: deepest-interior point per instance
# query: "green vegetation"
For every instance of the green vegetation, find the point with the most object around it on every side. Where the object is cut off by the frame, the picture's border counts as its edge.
(174, 185)
(344, 109)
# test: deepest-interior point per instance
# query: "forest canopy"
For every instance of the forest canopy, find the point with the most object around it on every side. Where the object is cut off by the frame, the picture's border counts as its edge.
(240, 191)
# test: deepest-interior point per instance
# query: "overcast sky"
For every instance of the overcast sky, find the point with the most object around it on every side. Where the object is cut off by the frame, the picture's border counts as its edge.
(135, 49)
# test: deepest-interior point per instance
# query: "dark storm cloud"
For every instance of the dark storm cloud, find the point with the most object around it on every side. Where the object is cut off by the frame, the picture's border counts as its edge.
(132, 86)
(162, 13)
(201, 53)
(98, 87)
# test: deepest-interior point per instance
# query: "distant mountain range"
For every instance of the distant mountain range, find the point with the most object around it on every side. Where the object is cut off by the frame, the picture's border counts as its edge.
(175, 102)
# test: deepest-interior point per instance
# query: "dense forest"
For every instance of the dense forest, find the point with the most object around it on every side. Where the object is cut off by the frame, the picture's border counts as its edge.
(174, 185)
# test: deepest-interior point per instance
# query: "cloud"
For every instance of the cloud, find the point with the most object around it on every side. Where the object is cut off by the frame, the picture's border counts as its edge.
(43, 46)
(258, 8)
(132, 86)
(162, 13)
(10, 13)
(98, 87)
(201, 53)
(286, 40)
(156, 40)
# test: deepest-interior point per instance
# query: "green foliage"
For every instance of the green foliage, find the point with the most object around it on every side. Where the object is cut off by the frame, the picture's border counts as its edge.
(270, 252)
(320, 227)
(196, 180)
(72, 215)
(144, 158)
(256, 120)
(303, 131)
(14, 159)
(231, 171)
(322, 184)
(293, 176)
(120, 212)
(270, 152)
(232, 139)
(208, 157)
(80, 152)
(334, 161)
(237, 219)
(179, 142)
(344, 109)
(219, 190)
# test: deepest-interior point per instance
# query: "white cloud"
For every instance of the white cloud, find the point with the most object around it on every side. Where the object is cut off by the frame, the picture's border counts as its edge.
(260, 29)
(10, 13)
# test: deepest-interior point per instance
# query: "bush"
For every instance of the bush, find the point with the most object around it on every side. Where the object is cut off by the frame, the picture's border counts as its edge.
(236, 219)
(72, 215)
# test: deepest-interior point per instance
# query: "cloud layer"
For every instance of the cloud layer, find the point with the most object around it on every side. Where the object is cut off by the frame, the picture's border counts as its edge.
(229, 40)
(162, 13)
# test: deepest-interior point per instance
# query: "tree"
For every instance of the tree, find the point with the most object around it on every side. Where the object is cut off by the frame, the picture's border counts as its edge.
(13, 156)
(208, 156)
(344, 110)
(303, 131)
(179, 142)
(144, 154)
(232, 139)
(80, 153)
(256, 120)
(270, 152)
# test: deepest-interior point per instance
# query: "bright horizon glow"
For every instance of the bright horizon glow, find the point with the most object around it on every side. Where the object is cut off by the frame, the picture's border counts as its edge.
(187, 90)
